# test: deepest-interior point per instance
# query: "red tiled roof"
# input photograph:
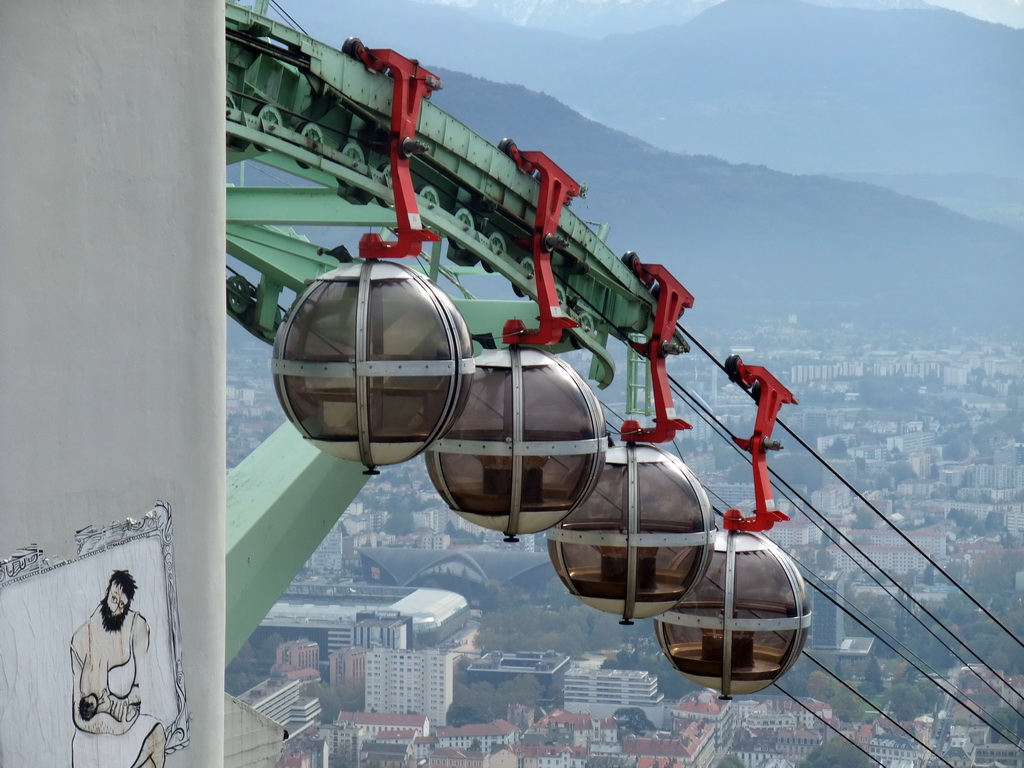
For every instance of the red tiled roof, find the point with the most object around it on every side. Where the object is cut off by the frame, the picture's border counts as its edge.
(708, 707)
(397, 733)
(455, 752)
(494, 728)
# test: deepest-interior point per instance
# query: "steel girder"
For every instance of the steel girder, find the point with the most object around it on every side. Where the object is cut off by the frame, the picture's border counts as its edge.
(282, 501)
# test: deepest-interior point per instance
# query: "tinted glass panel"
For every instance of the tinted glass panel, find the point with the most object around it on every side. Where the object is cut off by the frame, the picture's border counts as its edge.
(464, 340)
(668, 503)
(405, 408)
(480, 484)
(555, 482)
(325, 408)
(596, 571)
(404, 323)
(556, 408)
(324, 325)
(707, 598)
(607, 507)
(763, 590)
(666, 572)
(487, 415)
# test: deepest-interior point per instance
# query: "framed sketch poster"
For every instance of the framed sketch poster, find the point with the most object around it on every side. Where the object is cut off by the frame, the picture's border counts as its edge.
(90, 656)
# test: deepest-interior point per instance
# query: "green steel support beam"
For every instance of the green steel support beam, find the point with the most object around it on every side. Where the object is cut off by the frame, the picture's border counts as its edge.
(638, 383)
(282, 500)
(281, 256)
(268, 301)
(306, 206)
(488, 316)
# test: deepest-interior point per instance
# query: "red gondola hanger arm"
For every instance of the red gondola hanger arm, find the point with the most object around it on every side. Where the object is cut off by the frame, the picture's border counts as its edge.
(673, 299)
(556, 189)
(770, 395)
(412, 84)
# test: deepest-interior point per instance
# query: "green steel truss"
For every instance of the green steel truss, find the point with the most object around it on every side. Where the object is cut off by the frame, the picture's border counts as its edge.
(296, 105)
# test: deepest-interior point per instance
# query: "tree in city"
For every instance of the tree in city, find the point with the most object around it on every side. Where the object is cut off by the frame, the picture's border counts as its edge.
(340, 697)
(632, 720)
(837, 753)
(866, 519)
(838, 449)
(475, 703)
(905, 701)
(517, 626)
(399, 522)
(874, 681)
(820, 686)
(244, 671)
(1012, 722)
(481, 702)
(521, 689)
(846, 705)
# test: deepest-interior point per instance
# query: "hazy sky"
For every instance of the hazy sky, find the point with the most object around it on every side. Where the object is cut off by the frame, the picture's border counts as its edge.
(1009, 12)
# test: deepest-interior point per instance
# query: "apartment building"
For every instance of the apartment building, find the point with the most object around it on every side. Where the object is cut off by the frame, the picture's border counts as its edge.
(600, 692)
(402, 681)
(282, 702)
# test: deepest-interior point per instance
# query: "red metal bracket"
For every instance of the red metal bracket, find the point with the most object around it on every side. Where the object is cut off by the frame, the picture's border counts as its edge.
(556, 189)
(770, 395)
(673, 299)
(412, 85)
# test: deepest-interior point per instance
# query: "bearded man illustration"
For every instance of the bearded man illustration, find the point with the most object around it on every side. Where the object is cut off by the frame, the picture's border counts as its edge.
(107, 654)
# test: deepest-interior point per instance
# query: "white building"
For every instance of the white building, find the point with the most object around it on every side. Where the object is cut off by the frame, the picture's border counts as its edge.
(410, 682)
(798, 533)
(600, 692)
(498, 733)
(911, 442)
(832, 498)
(353, 729)
(889, 559)
(328, 555)
(281, 701)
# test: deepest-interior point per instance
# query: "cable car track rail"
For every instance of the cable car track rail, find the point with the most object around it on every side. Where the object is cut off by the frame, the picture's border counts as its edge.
(317, 113)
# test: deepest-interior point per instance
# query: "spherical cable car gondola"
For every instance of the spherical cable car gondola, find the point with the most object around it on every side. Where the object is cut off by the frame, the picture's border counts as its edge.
(527, 449)
(373, 363)
(641, 540)
(745, 623)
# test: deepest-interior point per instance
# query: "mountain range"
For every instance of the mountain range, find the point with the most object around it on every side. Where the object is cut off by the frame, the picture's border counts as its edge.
(753, 242)
(810, 89)
(791, 85)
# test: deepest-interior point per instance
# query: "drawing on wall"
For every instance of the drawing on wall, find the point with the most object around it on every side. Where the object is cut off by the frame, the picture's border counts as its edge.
(90, 662)
(107, 653)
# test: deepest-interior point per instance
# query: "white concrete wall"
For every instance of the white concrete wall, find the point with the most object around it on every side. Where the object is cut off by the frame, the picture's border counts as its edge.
(111, 295)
